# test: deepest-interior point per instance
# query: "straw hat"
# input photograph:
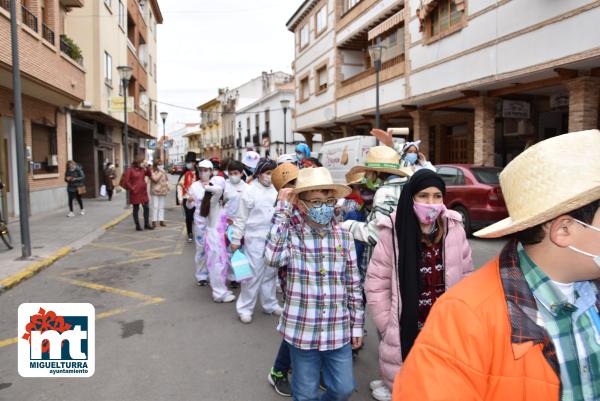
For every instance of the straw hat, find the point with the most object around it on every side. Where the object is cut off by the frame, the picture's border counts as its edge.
(383, 159)
(319, 178)
(354, 178)
(283, 174)
(541, 183)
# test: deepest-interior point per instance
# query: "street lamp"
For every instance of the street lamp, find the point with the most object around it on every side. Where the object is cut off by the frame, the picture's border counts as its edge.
(285, 103)
(239, 130)
(375, 53)
(125, 72)
(163, 116)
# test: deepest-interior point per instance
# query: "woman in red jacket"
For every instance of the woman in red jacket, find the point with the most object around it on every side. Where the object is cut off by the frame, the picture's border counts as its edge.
(134, 181)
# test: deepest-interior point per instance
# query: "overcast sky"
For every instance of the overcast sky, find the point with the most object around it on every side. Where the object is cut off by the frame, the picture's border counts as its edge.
(205, 44)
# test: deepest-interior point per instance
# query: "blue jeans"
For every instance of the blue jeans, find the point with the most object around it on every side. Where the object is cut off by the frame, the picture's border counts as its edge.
(336, 366)
(282, 361)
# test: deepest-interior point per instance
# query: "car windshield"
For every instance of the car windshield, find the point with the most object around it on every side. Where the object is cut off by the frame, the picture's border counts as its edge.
(487, 175)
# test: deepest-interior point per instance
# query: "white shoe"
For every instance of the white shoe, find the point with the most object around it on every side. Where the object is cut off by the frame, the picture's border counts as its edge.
(375, 384)
(70, 214)
(277, 311)
(382, 394)
(226, 299)
(82, 212)
(246, 319)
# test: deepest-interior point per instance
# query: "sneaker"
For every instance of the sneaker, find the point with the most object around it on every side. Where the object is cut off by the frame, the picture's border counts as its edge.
(280, 383)
(202, 283)
(226, 299)
(70, 214)
(375, 384)
(382, 394)
(190, 238)
(246, 319)
(277, 311)
(82, 212)
(234, 284)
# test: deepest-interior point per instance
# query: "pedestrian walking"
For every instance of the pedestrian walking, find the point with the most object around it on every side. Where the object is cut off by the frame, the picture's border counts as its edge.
(134, 181)
(110, 174)
(302, 153)
(159, 188)
(252, 223)
(75, 179)
(185, 181)
(422, 251)
(323, 316)
(234, 188)
(525, 326)
(410, 154)
(250, 161)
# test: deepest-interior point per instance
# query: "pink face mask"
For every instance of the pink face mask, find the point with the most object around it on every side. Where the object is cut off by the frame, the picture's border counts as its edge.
(426, 213)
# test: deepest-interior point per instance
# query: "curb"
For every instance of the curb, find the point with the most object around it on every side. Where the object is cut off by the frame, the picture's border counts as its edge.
(33, 269)
(40, 265)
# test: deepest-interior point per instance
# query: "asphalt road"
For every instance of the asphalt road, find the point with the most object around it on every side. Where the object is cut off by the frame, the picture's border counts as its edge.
(158, 335)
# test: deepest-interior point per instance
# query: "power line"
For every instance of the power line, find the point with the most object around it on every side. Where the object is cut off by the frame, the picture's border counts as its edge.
(210, 112)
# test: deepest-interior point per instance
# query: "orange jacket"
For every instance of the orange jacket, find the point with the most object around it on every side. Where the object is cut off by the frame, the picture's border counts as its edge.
(465, 351)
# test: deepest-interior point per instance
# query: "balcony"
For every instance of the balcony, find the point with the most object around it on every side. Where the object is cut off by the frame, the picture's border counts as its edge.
(390, 69)
(70, 48)
(47, 33)
(5, 4)
(29, 18)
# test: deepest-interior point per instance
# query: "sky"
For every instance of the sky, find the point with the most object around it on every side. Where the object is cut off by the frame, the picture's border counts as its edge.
(204, 45)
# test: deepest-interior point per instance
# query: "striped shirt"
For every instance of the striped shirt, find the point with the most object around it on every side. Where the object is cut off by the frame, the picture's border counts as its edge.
(323, 300)
(571, 328)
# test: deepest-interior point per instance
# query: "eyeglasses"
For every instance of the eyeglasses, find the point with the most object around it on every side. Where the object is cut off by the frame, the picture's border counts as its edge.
(319, 203)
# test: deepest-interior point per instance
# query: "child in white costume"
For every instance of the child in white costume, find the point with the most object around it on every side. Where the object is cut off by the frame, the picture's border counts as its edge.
(196, 194)
(252, 223)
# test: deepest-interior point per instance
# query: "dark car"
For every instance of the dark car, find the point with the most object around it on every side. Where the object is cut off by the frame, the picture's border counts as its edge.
(474, 192)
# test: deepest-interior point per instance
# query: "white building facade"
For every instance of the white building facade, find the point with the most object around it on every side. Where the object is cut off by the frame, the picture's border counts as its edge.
(179, 149)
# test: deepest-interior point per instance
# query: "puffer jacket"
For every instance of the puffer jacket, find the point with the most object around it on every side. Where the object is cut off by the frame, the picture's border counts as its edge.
(159, 183)
(382, 287)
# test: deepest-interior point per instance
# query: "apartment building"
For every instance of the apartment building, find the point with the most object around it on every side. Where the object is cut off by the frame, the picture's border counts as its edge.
(477, 81)
(53, 80)
(211, 125)
(113, 33)
(181, 143)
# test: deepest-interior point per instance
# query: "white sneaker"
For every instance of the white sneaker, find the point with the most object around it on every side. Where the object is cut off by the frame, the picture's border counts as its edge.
(382, 394)
(226, 299)
(375, 384)
(277, 311)
(246, 319)
(82, 212)
(70, 214)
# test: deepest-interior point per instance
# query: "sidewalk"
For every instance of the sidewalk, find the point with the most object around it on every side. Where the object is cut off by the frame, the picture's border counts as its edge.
(53, 236)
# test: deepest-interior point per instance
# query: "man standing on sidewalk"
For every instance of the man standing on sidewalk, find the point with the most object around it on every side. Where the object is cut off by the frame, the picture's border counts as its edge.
(323, 314)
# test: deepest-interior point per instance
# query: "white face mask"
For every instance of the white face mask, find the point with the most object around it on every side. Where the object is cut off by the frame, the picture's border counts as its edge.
(160, 166)
(235, 179)
(595, 257)
(265, 180)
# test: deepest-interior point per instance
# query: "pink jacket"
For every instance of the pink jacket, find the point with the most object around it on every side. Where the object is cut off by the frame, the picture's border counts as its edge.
(382, 288)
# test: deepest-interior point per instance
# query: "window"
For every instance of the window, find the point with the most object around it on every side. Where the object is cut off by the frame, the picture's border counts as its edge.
(450, 175)
(107, 68)
(321, 81)
(304, 36)
(304, 89)
(44, 149)
(321, 19)
(393, 44)
(121, 14)
(348, 5)
(445, 17)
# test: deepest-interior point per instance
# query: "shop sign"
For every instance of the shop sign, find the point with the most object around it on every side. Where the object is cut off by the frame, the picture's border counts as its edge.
(516, 109)
(559, 101)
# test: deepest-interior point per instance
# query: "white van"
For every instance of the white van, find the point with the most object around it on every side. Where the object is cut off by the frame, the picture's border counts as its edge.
(340, 155)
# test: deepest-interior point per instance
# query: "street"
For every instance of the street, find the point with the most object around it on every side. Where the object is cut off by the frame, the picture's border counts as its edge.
(158, 335)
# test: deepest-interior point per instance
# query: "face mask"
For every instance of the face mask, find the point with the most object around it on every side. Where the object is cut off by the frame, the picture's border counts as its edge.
(215, 173)
(189, 166)
(428, 214)
(160, 166)
(300, 156)
(235, 179)
(205, 175)
(321, 215)
(411, 158)
(265, 180)
(595, 257)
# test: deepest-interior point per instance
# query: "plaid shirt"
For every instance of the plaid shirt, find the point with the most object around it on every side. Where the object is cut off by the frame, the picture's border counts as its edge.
(323, 307)
(571, 329)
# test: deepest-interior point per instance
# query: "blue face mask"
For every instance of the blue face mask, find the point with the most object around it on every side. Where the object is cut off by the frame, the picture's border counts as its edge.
(411, 158)
(189, 166)
(300, 156)
(321, 215)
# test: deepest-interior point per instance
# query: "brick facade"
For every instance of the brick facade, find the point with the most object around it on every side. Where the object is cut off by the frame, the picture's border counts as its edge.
(484, 132)
(584, 99)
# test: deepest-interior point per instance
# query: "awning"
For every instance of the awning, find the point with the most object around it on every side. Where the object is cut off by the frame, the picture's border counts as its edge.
(427, 6)
(386, 25)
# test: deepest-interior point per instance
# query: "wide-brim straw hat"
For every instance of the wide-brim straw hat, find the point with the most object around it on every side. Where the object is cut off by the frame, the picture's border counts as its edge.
(549, 179)
(354, 178)
(383, 159)
(319, 179)
(284, 174)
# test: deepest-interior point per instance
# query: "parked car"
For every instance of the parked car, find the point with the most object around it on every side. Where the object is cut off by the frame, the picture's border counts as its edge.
(177, 168)
(474, 192)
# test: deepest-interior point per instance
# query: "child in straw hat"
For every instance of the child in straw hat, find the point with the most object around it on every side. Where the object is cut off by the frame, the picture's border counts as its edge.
(323, 313)
(526, 325)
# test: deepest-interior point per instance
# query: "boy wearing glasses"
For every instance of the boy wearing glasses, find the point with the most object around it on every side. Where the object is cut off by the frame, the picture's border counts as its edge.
(323, 314)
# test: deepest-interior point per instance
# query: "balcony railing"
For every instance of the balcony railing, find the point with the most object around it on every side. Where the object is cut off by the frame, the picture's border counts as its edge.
(369, 71)
(66, 48)
(47, 33)
(5, 4)
(29, 18)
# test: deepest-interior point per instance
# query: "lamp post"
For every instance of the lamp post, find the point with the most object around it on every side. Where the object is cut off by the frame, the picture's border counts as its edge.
(125, 73)
(375, 53)
(163, 116)
(285, 103)
(239, 130)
